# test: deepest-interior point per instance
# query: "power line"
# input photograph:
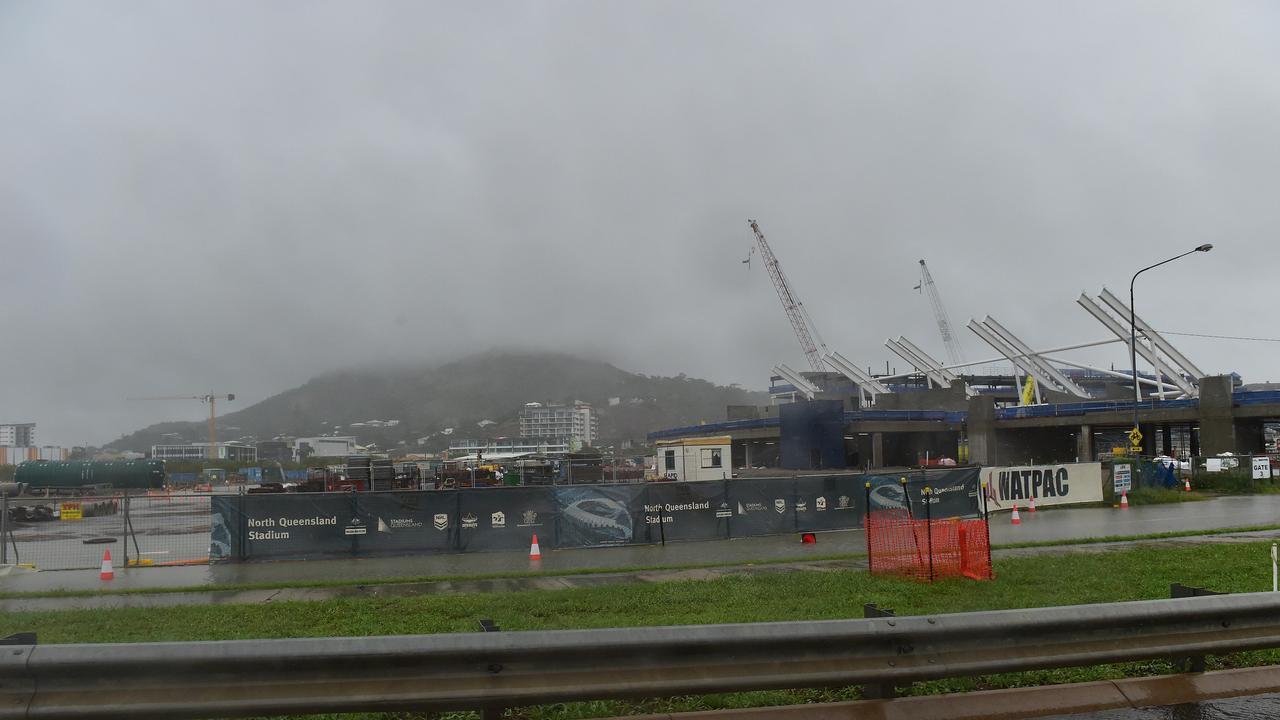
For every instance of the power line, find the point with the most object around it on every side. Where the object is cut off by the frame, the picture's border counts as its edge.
(1223, 337)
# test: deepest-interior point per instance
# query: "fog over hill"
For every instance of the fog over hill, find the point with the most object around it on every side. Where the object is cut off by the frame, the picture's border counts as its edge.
(460, 394)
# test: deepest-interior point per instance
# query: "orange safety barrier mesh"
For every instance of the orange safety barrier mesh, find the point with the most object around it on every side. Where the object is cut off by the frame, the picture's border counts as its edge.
(922, 550)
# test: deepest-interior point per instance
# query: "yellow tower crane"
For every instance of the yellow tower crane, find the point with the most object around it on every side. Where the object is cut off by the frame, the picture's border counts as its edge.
(210, 398)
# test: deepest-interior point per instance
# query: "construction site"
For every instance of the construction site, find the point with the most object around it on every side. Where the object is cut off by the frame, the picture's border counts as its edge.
(1017, 405)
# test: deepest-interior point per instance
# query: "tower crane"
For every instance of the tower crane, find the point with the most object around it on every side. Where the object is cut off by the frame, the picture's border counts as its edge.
(940, 313)
(210, 398)
(796, 312)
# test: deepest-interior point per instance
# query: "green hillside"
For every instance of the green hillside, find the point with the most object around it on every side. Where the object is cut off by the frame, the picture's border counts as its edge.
(460, 394)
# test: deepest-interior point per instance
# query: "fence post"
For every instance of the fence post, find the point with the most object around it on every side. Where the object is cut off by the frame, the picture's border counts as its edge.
(866, 526)
(124, 529)
(928, 525)
(4, 529)
(986, 527)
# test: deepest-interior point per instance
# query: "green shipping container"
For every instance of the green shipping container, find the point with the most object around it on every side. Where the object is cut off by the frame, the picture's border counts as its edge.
(119, 474)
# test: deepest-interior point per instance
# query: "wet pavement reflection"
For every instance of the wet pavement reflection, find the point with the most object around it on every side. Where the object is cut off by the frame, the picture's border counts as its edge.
(1254, 707)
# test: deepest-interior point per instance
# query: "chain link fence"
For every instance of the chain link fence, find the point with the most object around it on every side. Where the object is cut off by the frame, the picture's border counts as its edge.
(74, 533)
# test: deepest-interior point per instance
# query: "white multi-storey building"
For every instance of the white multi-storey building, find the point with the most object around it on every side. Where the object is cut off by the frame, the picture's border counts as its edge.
(578, 422)
(18, 435)
(513, 446)
(200, 451)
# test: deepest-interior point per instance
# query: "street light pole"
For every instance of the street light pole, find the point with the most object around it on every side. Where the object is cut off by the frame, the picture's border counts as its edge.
(1133, 327)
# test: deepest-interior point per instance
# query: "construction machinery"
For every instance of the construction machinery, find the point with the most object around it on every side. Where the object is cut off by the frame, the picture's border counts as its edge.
(801, 323)
(210, 398)
(927, 286)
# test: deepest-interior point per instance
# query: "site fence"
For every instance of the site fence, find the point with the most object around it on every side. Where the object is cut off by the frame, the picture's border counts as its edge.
(72, 533)
(301, 525)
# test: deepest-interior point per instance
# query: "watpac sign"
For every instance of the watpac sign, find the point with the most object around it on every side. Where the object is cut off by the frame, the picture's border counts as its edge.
(1048, 484)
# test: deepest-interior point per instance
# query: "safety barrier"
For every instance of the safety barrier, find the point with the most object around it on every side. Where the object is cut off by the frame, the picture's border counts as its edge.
(503, 669)
(505, 518)
(71, 533)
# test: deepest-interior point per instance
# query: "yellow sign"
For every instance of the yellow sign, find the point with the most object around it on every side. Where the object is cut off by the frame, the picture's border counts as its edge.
(70, 511)
(1029, 391)
(1135, 438)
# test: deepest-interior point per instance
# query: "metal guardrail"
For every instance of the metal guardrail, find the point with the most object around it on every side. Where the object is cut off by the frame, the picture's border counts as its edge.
(488, 670)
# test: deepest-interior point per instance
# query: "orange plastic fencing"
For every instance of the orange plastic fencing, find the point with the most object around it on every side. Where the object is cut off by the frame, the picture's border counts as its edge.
(922, 550)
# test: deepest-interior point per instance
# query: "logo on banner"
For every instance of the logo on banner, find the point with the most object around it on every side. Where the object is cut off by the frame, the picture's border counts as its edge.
(382, 526)
(498, 519)
(802, 506)
(842, 502)
(442, 521)
(820, 504)
(528, 517)
(780, 505)
(355, 527)
(470, 521)
(725, 511)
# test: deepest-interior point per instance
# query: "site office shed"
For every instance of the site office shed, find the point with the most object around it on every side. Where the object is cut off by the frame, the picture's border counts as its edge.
(698, 458)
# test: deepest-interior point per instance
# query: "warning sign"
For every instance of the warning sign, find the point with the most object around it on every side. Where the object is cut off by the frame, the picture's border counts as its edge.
(70, 511)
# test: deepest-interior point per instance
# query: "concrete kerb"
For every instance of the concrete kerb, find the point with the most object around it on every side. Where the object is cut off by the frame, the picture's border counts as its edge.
(1029, 702)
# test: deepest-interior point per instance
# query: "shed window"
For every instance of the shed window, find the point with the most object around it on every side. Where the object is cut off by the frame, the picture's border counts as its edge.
(711, 457)
(670, 461)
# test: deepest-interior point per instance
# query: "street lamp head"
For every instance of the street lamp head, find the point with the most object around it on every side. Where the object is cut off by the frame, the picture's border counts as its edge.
(1205, 247)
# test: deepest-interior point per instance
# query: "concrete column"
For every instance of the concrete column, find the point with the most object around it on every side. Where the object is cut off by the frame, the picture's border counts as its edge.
(746, 453)
(1217, 427)
(1084, 444)
(981, 429)
(877, 450)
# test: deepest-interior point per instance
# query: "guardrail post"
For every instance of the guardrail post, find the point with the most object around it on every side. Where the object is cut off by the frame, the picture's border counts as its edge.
(1190, 663)
(878, 691)
(494, 711)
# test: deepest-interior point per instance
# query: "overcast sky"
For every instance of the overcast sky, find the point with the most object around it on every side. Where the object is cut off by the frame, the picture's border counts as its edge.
(236, 196)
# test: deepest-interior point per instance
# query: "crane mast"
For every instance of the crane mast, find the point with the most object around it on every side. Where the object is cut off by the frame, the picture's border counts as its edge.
(940, 313)
(796, 312)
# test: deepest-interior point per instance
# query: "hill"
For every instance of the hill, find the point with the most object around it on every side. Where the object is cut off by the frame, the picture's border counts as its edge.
(460, 394)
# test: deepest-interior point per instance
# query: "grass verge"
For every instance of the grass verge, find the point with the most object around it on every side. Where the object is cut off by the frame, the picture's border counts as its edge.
(1139, 573)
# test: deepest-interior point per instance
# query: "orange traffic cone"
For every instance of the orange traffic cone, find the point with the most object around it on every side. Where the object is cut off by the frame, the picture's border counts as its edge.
(107, 573)
(808, 539)
(534, 552)
(1032, 506)
(1015, 519)
(1124, 500)
(1186, 485)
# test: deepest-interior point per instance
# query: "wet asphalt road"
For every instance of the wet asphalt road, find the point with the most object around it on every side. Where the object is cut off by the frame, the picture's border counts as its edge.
(1056, 524)
(1256, 707)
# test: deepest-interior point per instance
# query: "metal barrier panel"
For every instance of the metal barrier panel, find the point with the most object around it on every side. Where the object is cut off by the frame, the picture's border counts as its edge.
(64, 533)
(829, 503)
(167, 529)
(688, 510)
(506, 518)
(600, 515)
(405, 521)
(762, 506)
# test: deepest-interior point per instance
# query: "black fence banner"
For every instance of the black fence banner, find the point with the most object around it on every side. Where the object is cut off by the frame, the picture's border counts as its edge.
(400, 521)
(835, 502)
(953, 493)
(506, 518)
(601, 515)
(265, 526)
(687, 510)
(761, 506)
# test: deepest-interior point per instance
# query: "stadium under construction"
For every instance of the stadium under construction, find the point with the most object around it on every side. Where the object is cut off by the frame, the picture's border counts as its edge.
(1040, 406)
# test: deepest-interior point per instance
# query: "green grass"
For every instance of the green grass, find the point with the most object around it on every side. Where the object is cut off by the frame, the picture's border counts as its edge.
(1140, 573)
